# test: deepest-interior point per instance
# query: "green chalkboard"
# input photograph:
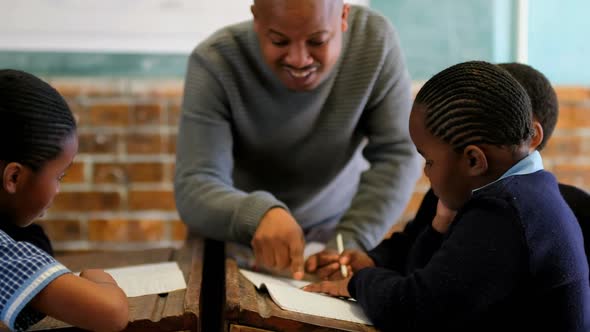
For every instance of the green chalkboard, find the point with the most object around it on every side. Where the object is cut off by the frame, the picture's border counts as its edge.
(49, 64)
(438, 33)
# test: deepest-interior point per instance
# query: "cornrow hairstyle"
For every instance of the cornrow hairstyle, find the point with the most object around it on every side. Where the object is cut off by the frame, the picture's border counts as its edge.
(543, 97)
(34, 120)
(476, 103)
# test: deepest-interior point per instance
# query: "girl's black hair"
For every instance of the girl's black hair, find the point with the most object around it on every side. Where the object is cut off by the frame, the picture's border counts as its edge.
(476, 103)
(34, 119)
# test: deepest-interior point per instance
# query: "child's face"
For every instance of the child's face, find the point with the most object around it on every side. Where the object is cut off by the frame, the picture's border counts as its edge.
(443, 166)
(37, 190)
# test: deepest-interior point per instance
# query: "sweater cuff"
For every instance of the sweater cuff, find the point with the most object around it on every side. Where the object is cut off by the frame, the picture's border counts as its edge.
(353, 281)
(249, 213)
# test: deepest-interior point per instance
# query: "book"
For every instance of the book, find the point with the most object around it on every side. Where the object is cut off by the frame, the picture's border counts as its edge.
(288, 295)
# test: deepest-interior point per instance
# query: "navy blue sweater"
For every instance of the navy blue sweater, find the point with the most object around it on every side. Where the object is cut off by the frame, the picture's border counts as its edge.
(513, 259)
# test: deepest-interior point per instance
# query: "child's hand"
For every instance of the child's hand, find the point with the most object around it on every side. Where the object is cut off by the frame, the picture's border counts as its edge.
(332, 288)
(326, 264)
(444, 218)
(98, 276)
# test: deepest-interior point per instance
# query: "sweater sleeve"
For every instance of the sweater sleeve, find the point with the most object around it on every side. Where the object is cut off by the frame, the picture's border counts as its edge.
(475, 267)
(386, 186)
(205, 196)
(393, 253)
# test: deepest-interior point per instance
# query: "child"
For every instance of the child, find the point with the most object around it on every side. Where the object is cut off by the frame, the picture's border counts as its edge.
(545, 113)
(38, 135)
(512, 257)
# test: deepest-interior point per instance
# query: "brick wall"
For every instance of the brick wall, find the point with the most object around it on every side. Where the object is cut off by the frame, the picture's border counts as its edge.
(119, 192)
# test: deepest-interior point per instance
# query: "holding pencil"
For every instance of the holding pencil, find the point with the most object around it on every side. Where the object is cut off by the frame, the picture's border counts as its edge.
(340, 245)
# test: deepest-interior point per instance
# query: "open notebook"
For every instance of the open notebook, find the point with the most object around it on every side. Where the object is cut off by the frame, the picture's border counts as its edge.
(147, 279)
(288, 295)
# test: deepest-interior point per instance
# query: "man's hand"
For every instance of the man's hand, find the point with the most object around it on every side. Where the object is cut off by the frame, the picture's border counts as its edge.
(444, 218)
(278, 242)
(326, 264)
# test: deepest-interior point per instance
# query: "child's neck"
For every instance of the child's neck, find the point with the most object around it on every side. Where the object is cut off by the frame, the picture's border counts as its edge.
(500, 160)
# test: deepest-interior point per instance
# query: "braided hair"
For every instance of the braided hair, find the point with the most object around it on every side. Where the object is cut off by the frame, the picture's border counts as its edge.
(542, 95)
(34, 120)
(476, 103)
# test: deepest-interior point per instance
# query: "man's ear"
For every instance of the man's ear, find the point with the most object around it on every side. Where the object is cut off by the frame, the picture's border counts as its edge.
(477, 162)
(345, 11)
(13, 173)
(254, 12)
(537, 136)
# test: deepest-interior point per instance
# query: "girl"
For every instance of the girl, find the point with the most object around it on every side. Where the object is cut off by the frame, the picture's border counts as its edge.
(512, 256)
(39, 142)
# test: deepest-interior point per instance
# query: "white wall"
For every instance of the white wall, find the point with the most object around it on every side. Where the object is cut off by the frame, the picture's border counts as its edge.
(163, 26)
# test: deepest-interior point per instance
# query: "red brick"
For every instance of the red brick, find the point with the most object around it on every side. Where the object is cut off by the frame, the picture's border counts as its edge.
(62, 230)
(113, 114)
(170, 89)
(144, 143)
(560, 145)
(147, 114)
(572, 93)
(121, 230)
(171, 144)
(179, 231)
(152, 200)
(577, 175)
(125, 173)
(75, 174)
(87, 201)
(169, 170)
(174, 110)
(98, 143)
(574, 116)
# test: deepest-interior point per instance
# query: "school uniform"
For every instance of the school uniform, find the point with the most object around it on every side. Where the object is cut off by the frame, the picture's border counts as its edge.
(512, 259)
(24, 271)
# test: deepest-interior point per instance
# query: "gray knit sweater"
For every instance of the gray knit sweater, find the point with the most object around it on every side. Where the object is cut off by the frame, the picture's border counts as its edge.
(247, 144)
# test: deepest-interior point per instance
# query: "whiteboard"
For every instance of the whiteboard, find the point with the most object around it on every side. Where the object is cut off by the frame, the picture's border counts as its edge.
(153, 26)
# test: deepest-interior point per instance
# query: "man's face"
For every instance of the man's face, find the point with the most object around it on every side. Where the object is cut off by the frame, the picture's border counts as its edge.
(300, 40)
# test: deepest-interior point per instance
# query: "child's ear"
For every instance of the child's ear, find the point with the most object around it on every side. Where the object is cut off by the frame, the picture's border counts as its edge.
(13, 173)
(477, 162)
(537, 136)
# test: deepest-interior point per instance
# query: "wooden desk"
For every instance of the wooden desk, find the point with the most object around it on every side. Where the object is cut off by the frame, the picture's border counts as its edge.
(247, 310)
(178, 311)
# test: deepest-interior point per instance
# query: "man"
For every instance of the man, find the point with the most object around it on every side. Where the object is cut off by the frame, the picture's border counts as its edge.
(280, 117)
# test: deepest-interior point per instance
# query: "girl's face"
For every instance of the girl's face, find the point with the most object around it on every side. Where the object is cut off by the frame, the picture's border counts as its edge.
(36, 190)
(445, 168)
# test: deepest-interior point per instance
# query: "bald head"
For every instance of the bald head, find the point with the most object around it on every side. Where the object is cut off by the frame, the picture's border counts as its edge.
(328, 8)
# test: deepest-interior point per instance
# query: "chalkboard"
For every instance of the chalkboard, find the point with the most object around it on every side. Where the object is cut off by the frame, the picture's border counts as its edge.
(438, 33)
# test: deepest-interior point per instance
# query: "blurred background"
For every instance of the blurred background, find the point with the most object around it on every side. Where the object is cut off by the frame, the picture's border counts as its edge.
(120, 64)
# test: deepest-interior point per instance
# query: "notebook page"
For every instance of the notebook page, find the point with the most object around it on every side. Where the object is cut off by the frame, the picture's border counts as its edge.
(147, 279)
(286, 293)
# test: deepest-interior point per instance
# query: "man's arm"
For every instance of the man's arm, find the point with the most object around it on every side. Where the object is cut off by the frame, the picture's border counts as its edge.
(205, 196)
(385, 188)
